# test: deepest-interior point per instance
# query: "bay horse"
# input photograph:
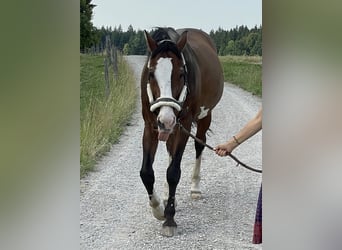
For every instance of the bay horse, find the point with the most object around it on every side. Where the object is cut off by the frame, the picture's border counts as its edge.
(181, 83)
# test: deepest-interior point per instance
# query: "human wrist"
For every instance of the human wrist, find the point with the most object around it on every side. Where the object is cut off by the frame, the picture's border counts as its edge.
(236, 140)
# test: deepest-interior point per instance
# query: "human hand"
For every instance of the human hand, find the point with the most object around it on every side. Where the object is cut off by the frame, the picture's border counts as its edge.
(225, 148)
(220, 152)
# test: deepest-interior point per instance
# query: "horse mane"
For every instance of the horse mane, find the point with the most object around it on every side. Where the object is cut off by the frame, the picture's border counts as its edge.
(166, 39)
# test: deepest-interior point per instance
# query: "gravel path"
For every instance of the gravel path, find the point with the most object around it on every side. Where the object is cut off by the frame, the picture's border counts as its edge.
(114, 210)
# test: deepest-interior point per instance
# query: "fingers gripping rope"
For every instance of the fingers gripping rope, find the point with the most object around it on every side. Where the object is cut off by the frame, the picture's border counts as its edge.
(211, 148)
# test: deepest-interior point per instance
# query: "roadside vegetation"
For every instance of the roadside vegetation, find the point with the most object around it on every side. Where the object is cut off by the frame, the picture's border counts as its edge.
(244, 71)
(102, 117)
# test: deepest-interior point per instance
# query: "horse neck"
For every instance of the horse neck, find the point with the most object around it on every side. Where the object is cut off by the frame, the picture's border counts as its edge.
(192, 67)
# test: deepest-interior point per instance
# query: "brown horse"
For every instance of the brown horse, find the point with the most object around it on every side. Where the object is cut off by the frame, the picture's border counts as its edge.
(181, 83)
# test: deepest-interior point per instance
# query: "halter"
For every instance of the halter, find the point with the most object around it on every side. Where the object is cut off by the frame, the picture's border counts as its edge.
(168, 101)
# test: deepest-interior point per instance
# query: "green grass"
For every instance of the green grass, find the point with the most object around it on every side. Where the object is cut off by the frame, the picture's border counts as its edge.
(102, 119)
(244, 71)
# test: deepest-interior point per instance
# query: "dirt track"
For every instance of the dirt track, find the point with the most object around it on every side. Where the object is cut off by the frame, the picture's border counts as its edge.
(114, 210)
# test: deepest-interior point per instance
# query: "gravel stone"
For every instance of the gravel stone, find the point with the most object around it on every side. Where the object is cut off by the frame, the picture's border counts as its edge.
(114, 210)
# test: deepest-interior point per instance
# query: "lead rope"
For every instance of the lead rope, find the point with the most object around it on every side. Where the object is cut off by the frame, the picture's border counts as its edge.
(211, 148)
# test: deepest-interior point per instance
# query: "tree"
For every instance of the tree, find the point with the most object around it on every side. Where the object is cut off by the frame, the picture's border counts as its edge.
(230, 48)
(237, 41)
(87, 31)
(252, 43)
(126, 49)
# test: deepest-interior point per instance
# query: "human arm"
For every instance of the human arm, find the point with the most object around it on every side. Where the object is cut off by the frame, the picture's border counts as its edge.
(251, 128)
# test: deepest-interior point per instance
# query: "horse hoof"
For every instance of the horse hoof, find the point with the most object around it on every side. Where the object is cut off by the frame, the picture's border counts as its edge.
(169, 231)
(195, 195)
(158, 212)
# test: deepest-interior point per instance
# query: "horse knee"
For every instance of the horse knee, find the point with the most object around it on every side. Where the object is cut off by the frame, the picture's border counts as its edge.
(147, 177)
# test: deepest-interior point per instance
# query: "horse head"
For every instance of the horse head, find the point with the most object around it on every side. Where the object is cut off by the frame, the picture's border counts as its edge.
(167, 80)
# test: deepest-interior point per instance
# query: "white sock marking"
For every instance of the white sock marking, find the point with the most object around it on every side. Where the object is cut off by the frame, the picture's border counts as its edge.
(196, 176)
(157, 207)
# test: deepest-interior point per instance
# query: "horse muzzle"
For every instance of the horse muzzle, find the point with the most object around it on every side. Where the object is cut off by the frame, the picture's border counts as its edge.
(166, 121)
(166, 118)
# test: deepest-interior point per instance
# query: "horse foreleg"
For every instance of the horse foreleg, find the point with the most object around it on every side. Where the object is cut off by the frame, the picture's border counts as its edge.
(176, 148)
(173, 176)
(147, 176)
(147, 173)
(166, 188)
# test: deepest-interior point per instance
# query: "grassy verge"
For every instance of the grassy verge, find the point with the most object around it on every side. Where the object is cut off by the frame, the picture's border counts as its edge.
(244, 71)
(102, 119)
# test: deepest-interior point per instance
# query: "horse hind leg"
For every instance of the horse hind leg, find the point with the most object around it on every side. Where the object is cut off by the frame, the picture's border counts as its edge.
(166, 185)
(202, 127)
(196, 176)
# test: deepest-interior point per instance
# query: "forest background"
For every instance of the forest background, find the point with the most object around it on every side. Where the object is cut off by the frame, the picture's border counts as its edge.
(240, 40)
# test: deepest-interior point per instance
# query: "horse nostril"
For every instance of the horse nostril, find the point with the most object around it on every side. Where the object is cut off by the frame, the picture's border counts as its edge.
(161, 125)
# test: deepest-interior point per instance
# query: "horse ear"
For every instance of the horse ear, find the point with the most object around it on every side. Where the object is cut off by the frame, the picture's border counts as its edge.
(182, 41)
(151, 44)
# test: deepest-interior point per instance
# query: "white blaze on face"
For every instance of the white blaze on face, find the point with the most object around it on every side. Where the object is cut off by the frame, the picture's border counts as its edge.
(163, 76)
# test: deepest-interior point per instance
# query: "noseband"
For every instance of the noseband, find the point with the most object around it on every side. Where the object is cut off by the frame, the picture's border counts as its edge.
(168, 101)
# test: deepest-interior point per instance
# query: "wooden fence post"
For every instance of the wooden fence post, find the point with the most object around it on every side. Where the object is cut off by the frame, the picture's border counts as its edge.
(107, 90)
(107, 46)
(114, 56)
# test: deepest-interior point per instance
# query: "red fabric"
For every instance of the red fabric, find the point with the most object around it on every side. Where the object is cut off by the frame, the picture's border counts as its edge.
(257, 234)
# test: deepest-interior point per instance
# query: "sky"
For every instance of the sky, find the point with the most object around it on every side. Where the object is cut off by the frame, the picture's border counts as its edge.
(203, 14)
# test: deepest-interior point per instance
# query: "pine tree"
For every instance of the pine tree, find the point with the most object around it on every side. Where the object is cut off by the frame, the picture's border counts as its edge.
(87, 30)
